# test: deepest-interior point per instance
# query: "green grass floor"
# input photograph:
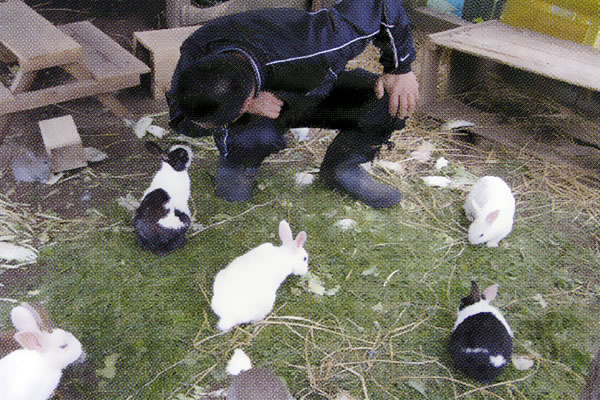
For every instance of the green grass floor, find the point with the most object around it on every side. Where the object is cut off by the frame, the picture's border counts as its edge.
(392, 286)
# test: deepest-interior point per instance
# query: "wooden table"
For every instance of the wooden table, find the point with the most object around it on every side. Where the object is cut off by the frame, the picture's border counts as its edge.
(97, 63)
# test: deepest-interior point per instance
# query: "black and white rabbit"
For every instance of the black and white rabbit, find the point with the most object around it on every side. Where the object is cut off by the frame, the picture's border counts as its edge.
(163, 215)
(481, 341)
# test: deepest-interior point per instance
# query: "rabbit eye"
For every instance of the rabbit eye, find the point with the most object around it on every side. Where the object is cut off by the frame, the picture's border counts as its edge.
(63, 346)
(305, 258)
(481, 235)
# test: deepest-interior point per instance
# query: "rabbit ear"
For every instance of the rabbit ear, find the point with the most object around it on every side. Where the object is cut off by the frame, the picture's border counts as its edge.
(25, 318)
(300, 239)
(491, 217)
(475, 291)
(490, 293)
(29, 340)
(285, 232)
(475, 206)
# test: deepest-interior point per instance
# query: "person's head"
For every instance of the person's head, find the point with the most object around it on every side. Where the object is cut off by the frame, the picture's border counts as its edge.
(213, 91)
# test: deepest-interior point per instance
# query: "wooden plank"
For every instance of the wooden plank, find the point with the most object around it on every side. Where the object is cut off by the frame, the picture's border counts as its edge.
(22, 81)
(6, 98)
(34, 41)
(429, 76)
(5, 95)
(428, 20)
(103, 57)
(63, 143)
(530, 51)
(66, 92)
(163, 46)
(59, 132)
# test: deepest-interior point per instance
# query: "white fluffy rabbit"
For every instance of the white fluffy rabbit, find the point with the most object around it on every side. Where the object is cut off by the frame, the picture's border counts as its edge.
(163, 216)
(33, 372)
(481, 341)
(491, 207)
(245, 290)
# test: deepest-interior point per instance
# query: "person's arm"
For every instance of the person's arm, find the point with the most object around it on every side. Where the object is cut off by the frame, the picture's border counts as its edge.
(397, 54)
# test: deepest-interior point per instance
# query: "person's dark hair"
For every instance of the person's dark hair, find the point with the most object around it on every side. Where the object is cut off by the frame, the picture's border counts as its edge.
(215, 88)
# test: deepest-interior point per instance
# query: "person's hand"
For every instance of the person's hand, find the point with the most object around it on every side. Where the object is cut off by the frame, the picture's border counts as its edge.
(403, 91)
(265, 104)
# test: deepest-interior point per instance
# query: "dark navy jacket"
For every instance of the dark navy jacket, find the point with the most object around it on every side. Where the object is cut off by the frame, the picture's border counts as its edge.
(299, 51)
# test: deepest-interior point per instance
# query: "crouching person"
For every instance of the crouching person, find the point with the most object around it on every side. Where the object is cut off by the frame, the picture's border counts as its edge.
(247, 78)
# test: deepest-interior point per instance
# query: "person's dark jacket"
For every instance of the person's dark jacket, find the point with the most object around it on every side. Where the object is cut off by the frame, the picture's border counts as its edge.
(298, 51)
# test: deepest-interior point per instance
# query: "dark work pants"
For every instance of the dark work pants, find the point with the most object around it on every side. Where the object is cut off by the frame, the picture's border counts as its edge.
(351, 107)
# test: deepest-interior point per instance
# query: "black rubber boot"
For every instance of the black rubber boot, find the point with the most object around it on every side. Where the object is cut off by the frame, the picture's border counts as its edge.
(341, 170)
(234, 182)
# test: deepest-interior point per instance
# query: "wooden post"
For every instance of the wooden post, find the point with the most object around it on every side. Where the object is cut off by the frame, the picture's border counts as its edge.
(429, 74)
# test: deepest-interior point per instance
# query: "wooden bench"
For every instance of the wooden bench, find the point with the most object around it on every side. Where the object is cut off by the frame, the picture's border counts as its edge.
(160, 50)
(108, 62)
(553, 59)
(530, 51)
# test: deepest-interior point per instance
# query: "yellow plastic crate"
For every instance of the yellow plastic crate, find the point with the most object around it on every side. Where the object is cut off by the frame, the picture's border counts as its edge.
(576, 20)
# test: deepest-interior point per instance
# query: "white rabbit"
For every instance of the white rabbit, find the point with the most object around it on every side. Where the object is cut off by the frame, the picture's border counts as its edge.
(491, 207)
(33, 372)
(163, 216)
(481, 341)
(245, 290)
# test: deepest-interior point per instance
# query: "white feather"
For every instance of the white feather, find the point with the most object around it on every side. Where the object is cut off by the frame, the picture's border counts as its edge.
(441, 163)
(346, 223)
(522, 363)
(304, 178)
(156, 131)
(301, 134)
(12, 252)
(439, 181)
(141, 126)
(456, 124)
